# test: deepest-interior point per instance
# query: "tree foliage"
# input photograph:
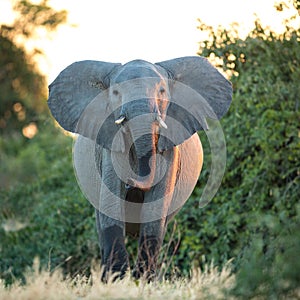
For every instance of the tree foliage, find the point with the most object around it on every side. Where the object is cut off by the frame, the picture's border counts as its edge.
(23, 87)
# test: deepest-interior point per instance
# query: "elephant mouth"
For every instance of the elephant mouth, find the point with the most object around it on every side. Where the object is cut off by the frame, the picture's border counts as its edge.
(145, 176)
(139, 184)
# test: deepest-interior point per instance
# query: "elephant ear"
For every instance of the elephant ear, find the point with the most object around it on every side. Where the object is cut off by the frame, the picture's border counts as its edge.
(79, 101)
(198, 91)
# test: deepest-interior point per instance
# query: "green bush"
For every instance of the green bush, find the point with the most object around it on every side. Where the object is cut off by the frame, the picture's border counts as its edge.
(270, 266)
(47, 217)
(261, 186)
(261, 130)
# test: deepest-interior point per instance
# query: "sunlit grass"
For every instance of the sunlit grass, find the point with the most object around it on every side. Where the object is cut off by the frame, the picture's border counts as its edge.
(207, 284)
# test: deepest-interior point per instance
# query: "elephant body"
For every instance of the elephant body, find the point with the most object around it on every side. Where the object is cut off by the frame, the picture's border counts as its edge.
(138, 155)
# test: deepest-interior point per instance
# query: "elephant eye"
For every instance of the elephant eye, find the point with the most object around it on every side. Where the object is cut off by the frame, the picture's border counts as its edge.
(115, 92)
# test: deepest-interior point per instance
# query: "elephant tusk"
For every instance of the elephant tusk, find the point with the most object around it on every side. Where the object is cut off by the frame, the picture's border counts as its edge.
(161, 122)
(120, 120)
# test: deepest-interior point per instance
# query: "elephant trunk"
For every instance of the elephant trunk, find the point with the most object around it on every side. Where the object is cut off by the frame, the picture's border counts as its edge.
(145, 148)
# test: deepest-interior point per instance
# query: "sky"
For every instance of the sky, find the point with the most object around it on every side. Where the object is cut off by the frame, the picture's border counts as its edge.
(123, 30)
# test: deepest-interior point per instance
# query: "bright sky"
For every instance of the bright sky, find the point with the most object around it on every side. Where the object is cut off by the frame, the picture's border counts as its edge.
(123, 30)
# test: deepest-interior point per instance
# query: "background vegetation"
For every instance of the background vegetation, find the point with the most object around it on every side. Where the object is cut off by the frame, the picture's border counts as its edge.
(255, 217)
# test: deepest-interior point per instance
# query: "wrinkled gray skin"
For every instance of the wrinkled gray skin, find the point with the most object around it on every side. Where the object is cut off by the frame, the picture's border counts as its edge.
(72, 92)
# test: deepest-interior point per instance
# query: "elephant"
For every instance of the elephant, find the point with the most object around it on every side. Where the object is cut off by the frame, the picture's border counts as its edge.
(138, 155)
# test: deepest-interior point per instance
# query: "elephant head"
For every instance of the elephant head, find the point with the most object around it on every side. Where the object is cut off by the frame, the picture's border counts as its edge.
(158, 106)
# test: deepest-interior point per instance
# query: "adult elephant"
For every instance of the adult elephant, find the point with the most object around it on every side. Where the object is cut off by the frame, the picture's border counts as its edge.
(138, 155)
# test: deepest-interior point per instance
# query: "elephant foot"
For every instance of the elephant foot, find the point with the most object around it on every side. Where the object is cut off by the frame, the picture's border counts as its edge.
(113, 272)
(146, 273)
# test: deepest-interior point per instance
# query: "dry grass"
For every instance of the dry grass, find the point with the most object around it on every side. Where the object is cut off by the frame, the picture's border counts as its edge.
(209, 284)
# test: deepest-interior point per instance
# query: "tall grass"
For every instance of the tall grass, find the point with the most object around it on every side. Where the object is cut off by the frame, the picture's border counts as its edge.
(41, 284)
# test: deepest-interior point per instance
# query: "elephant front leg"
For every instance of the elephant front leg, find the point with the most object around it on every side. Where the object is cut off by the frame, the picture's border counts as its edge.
(150, 242)
(114, 257)
(110, 221)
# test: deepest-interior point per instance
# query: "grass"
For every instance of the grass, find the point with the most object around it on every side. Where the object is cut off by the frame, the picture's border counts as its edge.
(207, 284)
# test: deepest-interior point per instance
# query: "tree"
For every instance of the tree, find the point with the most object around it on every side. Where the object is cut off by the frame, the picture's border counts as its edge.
(23, 87)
